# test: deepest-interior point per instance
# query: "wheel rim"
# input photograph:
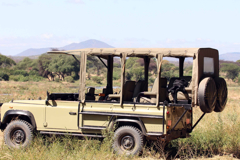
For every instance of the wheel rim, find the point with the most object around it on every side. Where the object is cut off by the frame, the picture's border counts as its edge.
(127, 143)
(18, 136)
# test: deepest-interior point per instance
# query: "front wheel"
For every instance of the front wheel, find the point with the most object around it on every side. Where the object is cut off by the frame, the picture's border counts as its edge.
(128, 140)
(18, 134)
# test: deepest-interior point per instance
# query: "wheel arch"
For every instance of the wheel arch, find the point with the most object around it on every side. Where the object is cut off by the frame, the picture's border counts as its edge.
(21, 114)
(126, 121)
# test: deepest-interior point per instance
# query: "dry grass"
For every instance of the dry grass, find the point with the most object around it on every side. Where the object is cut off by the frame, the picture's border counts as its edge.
(216, 137)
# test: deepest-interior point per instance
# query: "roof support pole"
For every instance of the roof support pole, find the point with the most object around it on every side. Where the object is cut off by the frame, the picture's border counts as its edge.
(159, 64)
(82, 76)
(181, 65)
(109, 74)
(146, 68)
(123, 62)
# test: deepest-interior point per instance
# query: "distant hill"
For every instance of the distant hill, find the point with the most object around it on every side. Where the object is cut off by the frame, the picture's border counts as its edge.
(231, 56)
(92, 43)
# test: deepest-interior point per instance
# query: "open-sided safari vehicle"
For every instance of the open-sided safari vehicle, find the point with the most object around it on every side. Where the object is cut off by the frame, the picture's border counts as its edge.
(164, 112)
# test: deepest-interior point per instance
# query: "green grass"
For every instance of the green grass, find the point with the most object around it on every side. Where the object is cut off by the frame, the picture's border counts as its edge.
(216, 134)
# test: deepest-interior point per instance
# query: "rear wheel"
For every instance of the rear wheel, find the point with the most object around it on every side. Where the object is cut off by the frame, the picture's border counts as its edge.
(207, 95)
(128, 140)
(18, 134)
(222, 93)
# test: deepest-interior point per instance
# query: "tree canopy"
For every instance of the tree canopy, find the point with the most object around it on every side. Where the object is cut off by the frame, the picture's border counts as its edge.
(6, 62)
(232, 70)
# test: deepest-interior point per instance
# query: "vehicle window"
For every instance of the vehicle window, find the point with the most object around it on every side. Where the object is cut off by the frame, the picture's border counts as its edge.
(208, 65)
(134, 70)
(188, 64)
(170, 67)
(116, 75)
(96, 77)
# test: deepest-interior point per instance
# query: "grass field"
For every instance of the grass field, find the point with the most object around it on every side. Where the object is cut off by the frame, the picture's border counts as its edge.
(216, 137)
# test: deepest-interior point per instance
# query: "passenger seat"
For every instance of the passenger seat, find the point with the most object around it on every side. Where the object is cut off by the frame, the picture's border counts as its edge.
(128, 89)
(152, 96)
(139, 87)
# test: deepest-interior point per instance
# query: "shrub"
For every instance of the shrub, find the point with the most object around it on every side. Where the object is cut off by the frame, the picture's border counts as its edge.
(20, 78)
(75, 75)
(57, 79)
(4, 76)
(35, 78)
(69, 79)
(20, 72)
(97, 79)
(33, 72)
(116, 75)
(23, 79)
(231, 69)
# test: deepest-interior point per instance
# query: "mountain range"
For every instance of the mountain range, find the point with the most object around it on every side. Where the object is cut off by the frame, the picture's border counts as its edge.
(231, 56)
(92, 43)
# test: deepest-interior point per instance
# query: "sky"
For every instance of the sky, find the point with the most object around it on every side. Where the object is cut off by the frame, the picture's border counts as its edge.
(28, 24)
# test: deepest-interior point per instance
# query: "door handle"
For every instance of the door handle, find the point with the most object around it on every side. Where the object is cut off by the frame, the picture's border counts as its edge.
(72, 113)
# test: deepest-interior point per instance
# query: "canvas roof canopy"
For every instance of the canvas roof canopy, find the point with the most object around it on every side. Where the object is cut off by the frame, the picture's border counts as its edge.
(197, 71)
(131, 52)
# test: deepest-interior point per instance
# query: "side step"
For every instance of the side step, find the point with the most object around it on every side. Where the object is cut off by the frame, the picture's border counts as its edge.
(93, 127)
(72, 134)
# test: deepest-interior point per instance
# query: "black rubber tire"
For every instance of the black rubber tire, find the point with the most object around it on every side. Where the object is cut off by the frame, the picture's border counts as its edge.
(124, 137)
(18, 134)
(207, 95)
(222, 93)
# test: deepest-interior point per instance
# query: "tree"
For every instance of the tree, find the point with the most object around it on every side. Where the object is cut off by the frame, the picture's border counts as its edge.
(169, 70)
(238, 61)
(63, 65)
(27, 64)
(94, 62)
(232, 70)
(6, 62)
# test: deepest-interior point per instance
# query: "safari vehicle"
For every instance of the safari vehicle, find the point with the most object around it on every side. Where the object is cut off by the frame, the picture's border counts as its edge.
(135, 113)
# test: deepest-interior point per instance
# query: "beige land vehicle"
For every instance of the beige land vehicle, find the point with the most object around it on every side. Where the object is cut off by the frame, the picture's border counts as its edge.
(135, 113)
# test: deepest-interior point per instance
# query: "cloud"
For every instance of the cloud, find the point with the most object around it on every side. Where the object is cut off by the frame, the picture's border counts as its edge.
(46, 36)
(10, 4)
(15, 4)
(75, 1)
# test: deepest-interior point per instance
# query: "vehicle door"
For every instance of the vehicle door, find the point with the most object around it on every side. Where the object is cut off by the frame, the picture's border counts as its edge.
(62, 115)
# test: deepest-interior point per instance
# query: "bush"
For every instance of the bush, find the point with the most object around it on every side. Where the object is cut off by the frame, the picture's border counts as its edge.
(69, 79)
(4, 76)
(35, 78)
(97, 79)
(33, 72)
(20, 78)
(20, 72)
(57, 79)
(74, 75)
(116, 75)
(231, 69)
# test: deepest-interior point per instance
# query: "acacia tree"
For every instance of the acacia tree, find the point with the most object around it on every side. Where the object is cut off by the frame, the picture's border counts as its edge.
(6, 62)
(64, 65)
(232, 70)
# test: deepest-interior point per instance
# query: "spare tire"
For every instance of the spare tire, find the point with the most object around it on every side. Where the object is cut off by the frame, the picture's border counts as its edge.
(207, 95)
(222, 93)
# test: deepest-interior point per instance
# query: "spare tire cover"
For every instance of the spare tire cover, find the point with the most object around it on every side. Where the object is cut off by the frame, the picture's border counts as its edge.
(207, 95)
(222, 93)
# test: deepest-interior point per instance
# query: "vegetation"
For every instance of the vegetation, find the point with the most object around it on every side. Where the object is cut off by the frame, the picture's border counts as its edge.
(232, 70)
(6, 62)
(216, 134)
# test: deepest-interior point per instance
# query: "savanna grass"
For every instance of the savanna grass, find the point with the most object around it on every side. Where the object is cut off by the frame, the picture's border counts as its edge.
(216, 134)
